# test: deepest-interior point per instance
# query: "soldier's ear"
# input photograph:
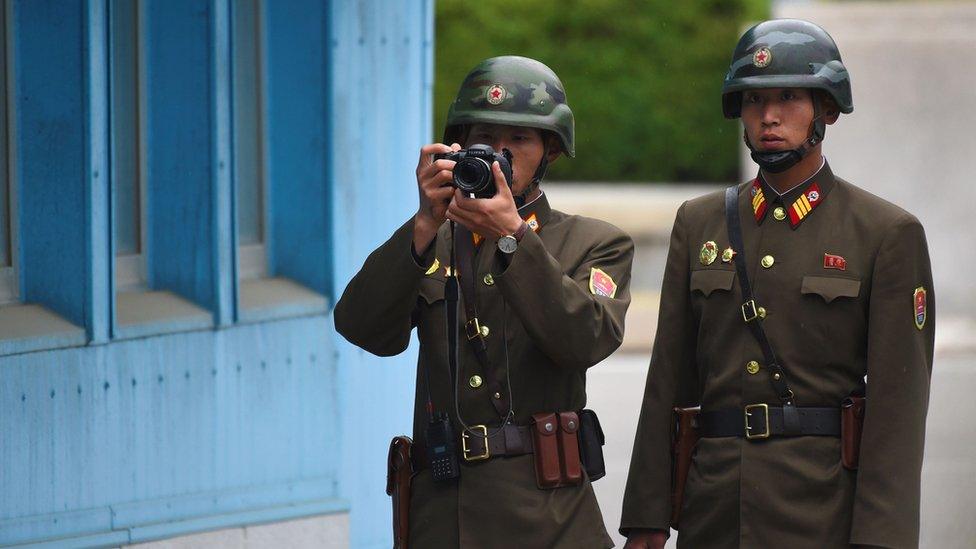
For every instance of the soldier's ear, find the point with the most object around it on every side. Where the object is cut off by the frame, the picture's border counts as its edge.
(830, 109)
(553, 145)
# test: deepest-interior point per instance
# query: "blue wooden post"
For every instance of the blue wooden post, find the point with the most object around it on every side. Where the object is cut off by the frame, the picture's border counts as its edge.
(381, 61)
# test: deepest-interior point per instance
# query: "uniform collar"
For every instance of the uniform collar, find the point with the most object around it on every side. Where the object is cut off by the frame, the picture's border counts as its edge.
(798, 203)
(536, 213)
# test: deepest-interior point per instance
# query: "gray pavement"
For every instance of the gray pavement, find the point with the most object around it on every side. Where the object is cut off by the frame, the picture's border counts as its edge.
(615, 389)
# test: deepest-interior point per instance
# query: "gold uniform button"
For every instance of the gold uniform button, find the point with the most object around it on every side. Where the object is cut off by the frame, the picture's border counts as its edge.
(767, 261)
(484, 331)
(752, 367)
(489, 280)
(779, 213)
(475, 381)
(761, 312)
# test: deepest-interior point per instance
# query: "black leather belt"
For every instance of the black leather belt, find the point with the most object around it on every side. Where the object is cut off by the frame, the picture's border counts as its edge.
(511, 440)
(759, 421)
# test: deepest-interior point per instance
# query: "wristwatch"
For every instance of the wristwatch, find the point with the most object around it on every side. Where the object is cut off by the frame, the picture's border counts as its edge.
(509, 243)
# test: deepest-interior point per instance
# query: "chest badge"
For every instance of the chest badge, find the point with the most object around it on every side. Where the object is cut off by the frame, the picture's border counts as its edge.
(920, 308)
(708, 253)
(832, 261)
(601, 283)
(728, 255)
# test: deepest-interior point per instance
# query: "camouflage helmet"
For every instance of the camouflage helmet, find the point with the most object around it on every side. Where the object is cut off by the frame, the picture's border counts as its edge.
(786, 53)
(516, 91)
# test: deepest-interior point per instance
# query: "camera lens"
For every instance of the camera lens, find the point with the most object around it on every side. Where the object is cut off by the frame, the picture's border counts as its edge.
(472, 175)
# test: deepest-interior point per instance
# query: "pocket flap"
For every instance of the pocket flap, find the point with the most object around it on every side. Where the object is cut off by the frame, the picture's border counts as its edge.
(707, 281)
(545, 424)
(830, 287)
(432, 289)
(569, 422)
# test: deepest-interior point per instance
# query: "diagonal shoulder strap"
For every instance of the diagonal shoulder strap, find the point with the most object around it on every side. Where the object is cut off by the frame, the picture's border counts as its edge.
(464, 246)
(751, 314)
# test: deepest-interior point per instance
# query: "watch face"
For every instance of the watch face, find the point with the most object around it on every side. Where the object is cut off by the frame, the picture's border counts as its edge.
(507, 244)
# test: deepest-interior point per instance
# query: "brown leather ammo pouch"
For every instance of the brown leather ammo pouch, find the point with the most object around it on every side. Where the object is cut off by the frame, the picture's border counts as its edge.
(556, 447)
(851, 424)
(399, 472)
(684, 436)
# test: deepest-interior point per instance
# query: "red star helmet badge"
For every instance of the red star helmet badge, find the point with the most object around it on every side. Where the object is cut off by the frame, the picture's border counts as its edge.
(762, 57)
(496, 94)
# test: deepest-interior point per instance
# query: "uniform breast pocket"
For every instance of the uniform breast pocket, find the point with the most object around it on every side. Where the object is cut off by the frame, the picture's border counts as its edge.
(431, 290)
(831, 288)
(833, 317)
(707, 281)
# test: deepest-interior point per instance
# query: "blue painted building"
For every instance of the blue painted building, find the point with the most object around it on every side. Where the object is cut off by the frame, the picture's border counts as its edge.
(185, 188)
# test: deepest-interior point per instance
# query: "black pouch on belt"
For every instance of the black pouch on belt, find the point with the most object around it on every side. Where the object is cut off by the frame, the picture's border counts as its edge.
(591, 441)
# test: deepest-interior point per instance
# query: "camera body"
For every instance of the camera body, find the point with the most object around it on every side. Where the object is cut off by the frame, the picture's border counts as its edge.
(472, 171)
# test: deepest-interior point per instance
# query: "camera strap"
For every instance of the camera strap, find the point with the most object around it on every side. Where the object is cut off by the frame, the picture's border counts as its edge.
(464, 246)
(791, 418)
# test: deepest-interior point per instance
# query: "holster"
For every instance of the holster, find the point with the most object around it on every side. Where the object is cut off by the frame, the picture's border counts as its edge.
(399, 472)
(851, 425)
(684, 436)
(555, 440)
(591, 445)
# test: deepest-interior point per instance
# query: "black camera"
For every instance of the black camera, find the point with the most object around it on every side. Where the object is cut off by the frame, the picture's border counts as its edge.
(472, 173)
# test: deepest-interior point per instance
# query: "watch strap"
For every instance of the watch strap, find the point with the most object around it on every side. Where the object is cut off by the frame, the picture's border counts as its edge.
(520, 232)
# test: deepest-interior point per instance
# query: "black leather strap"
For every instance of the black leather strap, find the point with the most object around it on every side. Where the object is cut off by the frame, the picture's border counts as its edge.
(733, 422)
(464, 246)
(749, 309)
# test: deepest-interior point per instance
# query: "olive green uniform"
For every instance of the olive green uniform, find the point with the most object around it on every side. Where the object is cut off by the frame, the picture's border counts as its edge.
(555, 326)
(831, 322)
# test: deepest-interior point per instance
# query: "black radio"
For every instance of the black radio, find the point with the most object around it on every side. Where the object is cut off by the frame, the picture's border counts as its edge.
(442, 449)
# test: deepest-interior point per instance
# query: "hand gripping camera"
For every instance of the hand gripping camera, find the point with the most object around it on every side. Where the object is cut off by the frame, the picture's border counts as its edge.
(472, 173)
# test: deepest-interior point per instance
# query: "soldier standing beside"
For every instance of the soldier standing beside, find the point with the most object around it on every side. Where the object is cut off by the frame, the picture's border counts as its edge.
(550, 292)
(837, 303)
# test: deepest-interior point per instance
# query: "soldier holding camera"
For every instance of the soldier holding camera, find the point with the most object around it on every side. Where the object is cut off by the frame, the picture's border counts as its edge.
(512, 302)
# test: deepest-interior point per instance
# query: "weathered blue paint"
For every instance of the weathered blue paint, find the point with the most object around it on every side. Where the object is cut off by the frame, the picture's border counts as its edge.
(177, 42)
(295, 67)
(241, 419)
(50, 159)
(135, 439)
(381, 65)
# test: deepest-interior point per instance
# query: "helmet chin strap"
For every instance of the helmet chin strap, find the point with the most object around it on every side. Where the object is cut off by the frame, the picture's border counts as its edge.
(780, 161)
(540, 172)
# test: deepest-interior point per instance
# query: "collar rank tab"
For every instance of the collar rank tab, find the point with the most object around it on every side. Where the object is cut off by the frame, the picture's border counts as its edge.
(802, 206)
(758, 200)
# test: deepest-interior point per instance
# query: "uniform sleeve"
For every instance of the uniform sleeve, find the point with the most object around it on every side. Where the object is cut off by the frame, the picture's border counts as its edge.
(376, 308)
(571, 325)
(899, 366)
(671, 381)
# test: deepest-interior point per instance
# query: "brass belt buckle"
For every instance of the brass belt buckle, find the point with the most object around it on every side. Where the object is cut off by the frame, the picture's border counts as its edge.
(749, 311)
(473, 330)
(748, 414)
(466, 451)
